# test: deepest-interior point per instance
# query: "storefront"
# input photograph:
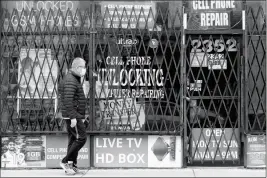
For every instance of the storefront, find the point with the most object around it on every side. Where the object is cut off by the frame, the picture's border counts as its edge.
(180, 83)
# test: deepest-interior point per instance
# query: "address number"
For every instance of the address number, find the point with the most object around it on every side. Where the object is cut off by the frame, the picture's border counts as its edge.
(218, 45)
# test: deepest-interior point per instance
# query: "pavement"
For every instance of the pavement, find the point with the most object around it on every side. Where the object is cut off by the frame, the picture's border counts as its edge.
(185, 172)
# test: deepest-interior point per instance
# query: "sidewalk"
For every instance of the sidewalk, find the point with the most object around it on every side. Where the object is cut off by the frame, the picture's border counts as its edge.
(187, 172)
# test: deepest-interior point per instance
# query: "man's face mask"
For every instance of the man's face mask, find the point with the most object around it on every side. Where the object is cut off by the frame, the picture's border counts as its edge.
(81, 70)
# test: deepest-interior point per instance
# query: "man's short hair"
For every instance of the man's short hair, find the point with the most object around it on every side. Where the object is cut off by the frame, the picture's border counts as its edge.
(76, 62)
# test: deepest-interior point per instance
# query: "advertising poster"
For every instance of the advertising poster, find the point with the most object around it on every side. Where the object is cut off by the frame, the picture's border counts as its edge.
(165, 151)
(123, 77)
(117, 14)
(23, 151)
(37, 74)
(56, 150)
(226, 140)
(256, 151)
(209, 14)
(57, 14)
(138, 151)
(122, 113)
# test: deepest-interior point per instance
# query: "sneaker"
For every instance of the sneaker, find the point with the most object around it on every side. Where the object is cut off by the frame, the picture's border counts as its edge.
(66, 168)
(78, 171)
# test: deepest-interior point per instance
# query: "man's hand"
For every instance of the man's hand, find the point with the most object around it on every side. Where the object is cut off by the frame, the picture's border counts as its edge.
(73, 122)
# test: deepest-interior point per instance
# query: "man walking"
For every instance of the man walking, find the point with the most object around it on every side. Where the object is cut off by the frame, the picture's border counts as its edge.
(73, 103)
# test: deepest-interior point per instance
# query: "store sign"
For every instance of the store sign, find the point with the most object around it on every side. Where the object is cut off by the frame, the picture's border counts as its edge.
(214, 14)
(137, 14)
(43, 14)
(39, 151)
(138, 151)
(148, 82)
(211, 52)
(256, 151)
(125, 78)
(197, 86)
(56, 150)
(216, 61)
(215, 144)
(117, 108)
(23, 151)
(128, 42)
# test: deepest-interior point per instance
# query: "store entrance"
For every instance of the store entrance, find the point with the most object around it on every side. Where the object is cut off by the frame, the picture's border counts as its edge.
(213, 99)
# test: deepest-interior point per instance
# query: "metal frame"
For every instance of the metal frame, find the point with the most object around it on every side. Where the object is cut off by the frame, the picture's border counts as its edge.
(183, 90)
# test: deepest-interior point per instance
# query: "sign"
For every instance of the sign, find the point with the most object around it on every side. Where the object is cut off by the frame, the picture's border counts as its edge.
(118, 116)
(153, 43)
(128, 14)
(138, 151)
(128, 42)
(204, 144)
(145, 81)
(211, 52)
(34, 108)
(214, 14)
(256, 151)
(39, 151)
(198, 59)
(52, 14)
(37, 74)
(56, 150)
(216, 61)
(23, 151)
(197, 86)
(166, 152)
(117, 108)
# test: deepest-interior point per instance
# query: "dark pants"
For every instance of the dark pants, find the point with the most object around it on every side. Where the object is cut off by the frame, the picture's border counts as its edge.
(76, 140)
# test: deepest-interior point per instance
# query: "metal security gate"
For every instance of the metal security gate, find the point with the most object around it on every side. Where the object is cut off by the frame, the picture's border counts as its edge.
(255, 92)
(137, 56)
(213, 98)
(38, 43)
(255, 71)
(132, 56)
(146, 74)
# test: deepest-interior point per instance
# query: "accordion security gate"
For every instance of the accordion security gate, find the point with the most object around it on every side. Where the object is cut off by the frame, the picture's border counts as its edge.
(213, 98)
(142, 77)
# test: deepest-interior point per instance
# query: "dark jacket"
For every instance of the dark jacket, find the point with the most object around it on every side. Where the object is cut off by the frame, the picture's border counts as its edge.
(72, 98)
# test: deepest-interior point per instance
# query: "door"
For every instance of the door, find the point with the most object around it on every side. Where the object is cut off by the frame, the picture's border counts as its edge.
(213, 99)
